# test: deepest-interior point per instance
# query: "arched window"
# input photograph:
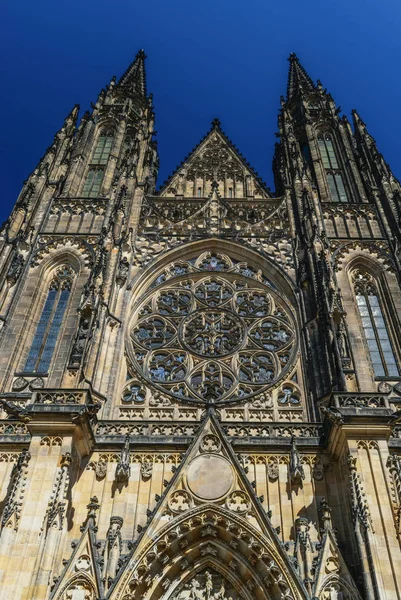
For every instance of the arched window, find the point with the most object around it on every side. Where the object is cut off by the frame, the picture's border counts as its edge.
(334, 176)
(374, 326)
(94, 178)
(93, 183)
(48, 329)
(103, 148)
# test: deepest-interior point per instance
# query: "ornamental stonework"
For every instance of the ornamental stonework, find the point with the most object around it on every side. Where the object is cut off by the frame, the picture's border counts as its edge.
(200, 384)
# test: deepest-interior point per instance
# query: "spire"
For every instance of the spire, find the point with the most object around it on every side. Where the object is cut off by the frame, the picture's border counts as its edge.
(135, 75)
(298, 78)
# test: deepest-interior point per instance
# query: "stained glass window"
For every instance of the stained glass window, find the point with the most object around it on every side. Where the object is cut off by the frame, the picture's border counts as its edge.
(48, 329)
(374, 326)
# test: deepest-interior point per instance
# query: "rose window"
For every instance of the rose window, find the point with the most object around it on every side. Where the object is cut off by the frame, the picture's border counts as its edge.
(212, 337)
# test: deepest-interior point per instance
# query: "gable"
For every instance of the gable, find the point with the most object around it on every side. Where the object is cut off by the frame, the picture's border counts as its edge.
(215, 159)
(208, 524)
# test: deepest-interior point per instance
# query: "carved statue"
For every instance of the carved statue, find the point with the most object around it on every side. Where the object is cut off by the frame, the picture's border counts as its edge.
(297, 473)
(123, 269)
(123, 469)
(80, 342)
(15, 270)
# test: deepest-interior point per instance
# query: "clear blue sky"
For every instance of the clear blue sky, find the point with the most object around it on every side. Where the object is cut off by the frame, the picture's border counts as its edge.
(224, 58)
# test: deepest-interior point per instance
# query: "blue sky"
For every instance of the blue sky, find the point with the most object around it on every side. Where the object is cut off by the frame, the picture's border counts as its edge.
(224, 58)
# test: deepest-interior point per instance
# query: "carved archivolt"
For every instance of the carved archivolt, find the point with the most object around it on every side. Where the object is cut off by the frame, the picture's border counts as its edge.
(212, 335)
(239, 561)
(46, 244)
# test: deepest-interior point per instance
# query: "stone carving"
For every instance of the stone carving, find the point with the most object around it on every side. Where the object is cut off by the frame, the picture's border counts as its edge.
(123, 270)
(384, 387)
(318, 471)
(359, 507)
(146, 470)
(12, 509)
(16, 267)
(360, 400)
(100, 469)
(394, 467)
(246, 333)
(212, 333)
(79, 345)
(63, 397)
(82, 590)
(208, 585)
(123, 469)
(296, 470)
(210, 443)
(55, 513)
(180, 501)
(238, 501)
(113, 548)
(273, 470)
(188, 429)
(21, 383)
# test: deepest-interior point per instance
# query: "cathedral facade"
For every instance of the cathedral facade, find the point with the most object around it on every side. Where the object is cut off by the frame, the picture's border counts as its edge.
(201, 384)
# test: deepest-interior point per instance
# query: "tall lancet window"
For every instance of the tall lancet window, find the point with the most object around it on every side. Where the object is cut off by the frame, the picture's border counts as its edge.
(374, 326)
(95, 175)
(103, 148)
(93, 182)
(48, 329)
(333, 171)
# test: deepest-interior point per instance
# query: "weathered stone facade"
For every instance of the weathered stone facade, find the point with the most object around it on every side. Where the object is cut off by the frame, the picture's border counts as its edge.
(200, 385)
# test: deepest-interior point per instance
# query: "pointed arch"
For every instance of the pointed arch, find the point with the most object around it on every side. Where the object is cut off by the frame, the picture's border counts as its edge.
(370, 291)
(331, 161)
(335, 584)
(212, 536)
(48, 328)
(240, 253)
(79, 582)
(375, 324)
(46, 289)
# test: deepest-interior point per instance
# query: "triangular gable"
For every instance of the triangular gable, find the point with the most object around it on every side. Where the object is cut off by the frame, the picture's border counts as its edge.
(332, 573)
(215, 158)
(209, 491)
(81, 573)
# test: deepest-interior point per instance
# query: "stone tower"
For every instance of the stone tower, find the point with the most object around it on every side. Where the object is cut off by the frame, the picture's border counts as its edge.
(200, 385)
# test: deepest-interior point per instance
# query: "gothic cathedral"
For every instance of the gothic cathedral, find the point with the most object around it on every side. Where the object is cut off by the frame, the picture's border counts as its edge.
(201, 384)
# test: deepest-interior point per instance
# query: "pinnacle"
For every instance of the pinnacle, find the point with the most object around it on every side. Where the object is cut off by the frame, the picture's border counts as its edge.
(298, 78)
(135, 75)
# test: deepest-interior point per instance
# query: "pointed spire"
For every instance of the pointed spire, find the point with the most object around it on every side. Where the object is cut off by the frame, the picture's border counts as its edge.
(298, 78)
(135, 75)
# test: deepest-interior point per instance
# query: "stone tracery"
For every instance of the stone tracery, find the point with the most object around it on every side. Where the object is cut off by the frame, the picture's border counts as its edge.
(210, 334)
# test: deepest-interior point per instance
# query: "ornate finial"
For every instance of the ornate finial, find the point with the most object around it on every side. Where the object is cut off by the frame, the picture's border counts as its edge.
(292, 57)
(92, 507)
(216, 123)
